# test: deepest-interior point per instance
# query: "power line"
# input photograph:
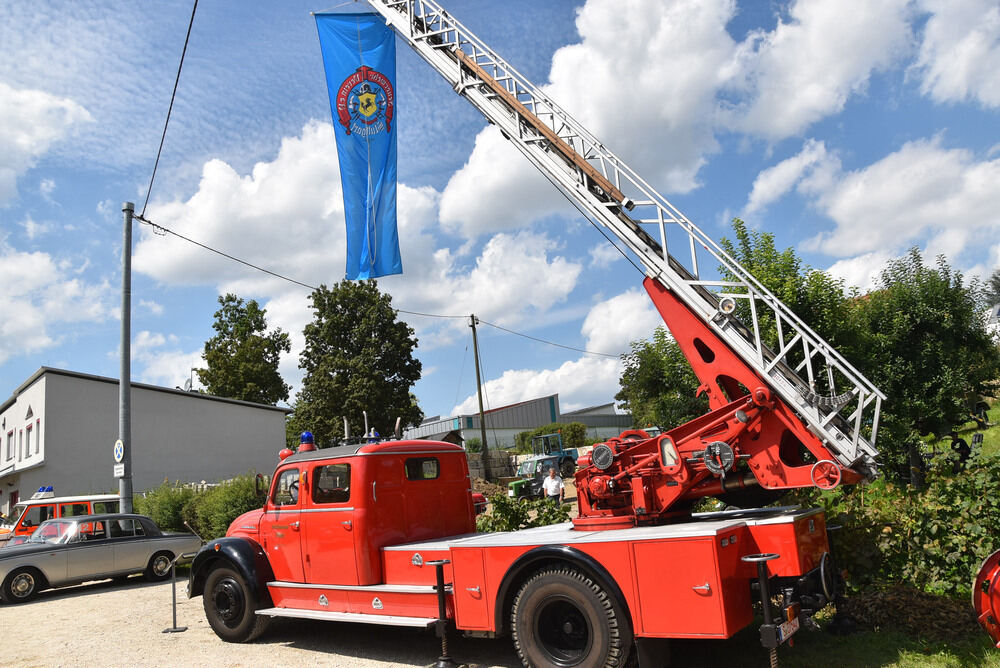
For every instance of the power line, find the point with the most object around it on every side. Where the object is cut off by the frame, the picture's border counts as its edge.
(163, 136)
(551, 343)
(160, 229)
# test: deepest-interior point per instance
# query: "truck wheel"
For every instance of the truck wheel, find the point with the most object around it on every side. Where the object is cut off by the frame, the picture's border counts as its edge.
(229, 607)
(567, 468)
(562, 618)
(21, 586)
(158, 568)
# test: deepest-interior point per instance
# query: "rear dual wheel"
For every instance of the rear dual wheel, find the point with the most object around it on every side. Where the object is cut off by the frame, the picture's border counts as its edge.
(561, 618)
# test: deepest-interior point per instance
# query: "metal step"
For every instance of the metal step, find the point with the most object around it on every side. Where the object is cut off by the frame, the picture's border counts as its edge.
(384, 620)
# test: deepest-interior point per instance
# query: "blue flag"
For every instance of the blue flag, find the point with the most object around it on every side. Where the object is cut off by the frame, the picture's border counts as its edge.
(359, 56)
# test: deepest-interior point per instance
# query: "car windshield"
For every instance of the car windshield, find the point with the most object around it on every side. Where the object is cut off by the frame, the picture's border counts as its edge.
(54, 531)
(14, 517)
(526, 468)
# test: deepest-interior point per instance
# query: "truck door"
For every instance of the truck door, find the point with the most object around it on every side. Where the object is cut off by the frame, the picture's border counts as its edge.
(280, 529)
(328, 525)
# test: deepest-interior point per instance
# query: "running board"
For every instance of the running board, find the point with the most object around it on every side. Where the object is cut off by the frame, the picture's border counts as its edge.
(384, 620)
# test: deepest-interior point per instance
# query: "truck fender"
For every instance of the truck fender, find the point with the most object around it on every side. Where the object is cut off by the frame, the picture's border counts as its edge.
(548, 555)
(243, 554)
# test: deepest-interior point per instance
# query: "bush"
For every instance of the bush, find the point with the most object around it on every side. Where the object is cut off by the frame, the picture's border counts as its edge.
(165, 505)
(209, 512)
(473, 444)
(935, 539)
(507, 514)
(574, 435)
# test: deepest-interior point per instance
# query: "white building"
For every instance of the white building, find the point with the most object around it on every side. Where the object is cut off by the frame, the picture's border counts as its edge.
(59, 428)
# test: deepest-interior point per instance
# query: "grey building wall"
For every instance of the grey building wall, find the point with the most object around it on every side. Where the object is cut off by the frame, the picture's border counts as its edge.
(176, 435)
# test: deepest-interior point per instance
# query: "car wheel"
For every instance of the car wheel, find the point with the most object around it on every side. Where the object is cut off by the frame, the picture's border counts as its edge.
(563, 618)
(158, 568)
(21, 586)
(230, 607)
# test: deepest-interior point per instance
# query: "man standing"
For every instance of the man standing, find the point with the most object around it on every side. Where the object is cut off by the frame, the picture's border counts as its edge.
(554, 487)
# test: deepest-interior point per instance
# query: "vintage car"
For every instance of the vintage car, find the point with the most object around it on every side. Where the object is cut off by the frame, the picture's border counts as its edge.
(71, 550)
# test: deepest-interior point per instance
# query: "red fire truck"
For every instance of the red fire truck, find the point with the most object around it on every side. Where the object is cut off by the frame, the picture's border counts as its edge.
(383, 533)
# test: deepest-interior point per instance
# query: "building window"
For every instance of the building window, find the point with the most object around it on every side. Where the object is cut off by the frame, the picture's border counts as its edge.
(20, 444)
(27, 441)
(38, 435)
(10, 444)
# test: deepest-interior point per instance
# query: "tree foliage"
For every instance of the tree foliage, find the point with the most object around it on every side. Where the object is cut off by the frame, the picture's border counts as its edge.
(919, 336)
(658, 385)
(926, 347)
(243, 356)
(357, 357)
(993, 288)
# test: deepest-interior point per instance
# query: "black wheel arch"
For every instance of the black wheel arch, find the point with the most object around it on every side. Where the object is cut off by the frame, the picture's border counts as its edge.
(244, 555)
(545, 556)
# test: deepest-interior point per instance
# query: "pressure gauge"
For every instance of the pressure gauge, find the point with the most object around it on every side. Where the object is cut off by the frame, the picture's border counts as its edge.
(719, 457)
(602, 456)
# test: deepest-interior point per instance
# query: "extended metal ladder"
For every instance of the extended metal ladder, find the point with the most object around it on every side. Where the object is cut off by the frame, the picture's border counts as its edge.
(839, 405)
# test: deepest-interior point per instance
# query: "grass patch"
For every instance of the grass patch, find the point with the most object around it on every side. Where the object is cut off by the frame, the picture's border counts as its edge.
(819, 648)
(991, 435)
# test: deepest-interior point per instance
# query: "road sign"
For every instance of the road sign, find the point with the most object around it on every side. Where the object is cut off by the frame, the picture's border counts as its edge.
(119, 470)
(119, 451)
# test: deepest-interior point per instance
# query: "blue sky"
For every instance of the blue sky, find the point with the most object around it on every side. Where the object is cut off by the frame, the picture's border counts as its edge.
(851, 130)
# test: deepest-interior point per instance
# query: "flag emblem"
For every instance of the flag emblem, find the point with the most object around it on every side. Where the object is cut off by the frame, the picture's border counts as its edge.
(365, 103)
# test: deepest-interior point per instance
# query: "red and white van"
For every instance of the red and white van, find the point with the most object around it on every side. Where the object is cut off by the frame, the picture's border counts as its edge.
(26, 515)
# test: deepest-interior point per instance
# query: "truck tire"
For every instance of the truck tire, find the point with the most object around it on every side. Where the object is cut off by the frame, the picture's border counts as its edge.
(562, 618)
(230, 608)
(567, 468)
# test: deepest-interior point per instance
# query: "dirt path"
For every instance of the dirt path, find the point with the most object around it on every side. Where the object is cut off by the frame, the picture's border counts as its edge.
(109, 624)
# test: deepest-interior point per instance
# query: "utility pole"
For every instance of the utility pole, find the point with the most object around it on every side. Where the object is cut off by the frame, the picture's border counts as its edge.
(124, 456)
(485, 452)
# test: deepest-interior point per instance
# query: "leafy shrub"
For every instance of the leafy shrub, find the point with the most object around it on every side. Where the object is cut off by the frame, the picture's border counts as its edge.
(507, 514)
(473, 444)
(574, 435)
(165, 505)
(935, 539)
(212, 511)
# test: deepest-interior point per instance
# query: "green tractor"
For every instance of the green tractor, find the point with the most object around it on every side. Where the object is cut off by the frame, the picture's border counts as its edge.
(530, 474)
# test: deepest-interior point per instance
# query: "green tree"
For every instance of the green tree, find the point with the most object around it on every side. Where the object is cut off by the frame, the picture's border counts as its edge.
(357, 357)
(243, 355)
(658, 386)
(993, 288)
(927, 348)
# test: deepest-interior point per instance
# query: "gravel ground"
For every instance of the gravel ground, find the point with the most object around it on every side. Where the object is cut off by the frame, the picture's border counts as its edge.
(109, 624)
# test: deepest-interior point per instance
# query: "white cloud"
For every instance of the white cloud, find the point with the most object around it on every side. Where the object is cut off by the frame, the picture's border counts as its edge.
(603, 255)
(31, 121)
(163, 362)
(861, 271)
(287, 216)
(38, 298)
(960, 51)
(922, 189)
(656, 116)
(33, 228)
(774, 182)
(807, 67)
(154, 307)
(609, 328)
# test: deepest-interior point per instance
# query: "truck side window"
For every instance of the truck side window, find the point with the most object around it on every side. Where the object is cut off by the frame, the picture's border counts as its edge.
(422, 468)
(332, 483)
(73, 509)
(286, 491)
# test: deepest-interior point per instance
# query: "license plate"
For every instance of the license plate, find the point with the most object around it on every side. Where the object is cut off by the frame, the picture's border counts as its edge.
(786, 630)
(510, 493)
